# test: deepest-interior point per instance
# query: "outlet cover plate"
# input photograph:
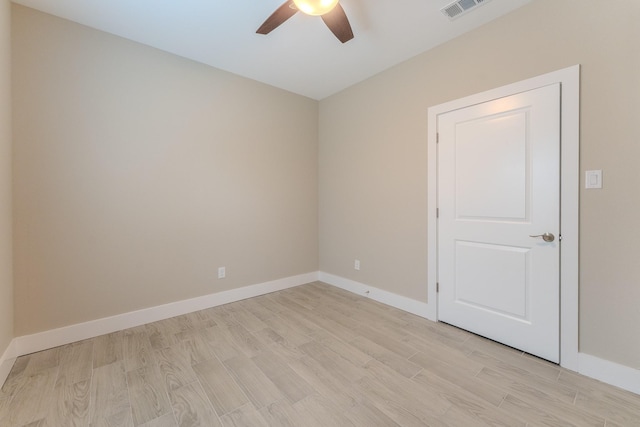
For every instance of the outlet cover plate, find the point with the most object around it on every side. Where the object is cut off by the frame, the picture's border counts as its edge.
(593, 179)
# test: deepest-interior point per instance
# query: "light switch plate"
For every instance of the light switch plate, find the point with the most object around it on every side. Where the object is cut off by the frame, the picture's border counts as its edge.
(593, 179)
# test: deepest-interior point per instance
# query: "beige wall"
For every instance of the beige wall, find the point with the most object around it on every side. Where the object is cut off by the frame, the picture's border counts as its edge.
(6, 279)
(373, 159)
(138, 174)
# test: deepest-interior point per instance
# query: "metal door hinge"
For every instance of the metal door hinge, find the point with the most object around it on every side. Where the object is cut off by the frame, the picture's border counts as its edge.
(437, 212)
(437, 287)
(437, 137)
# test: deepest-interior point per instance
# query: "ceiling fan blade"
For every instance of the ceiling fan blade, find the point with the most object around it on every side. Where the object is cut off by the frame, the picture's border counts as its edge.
(338, 23)
(284, 12)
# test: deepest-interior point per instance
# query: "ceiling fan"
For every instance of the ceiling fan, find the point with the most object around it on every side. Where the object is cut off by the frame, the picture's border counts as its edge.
(330, 10)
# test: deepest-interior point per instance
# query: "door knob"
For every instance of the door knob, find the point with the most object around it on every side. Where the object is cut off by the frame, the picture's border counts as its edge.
(547, 237)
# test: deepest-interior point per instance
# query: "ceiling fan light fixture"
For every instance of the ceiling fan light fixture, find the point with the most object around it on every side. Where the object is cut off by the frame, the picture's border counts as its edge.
(315, 7)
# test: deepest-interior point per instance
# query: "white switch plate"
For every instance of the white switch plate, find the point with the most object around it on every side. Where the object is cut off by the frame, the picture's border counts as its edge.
(356, 264)
(593, 179)
(222, 273)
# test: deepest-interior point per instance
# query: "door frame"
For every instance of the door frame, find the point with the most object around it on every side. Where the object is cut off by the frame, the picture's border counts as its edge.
(569, 79)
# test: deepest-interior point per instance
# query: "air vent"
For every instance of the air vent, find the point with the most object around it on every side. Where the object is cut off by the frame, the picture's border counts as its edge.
(461, 7)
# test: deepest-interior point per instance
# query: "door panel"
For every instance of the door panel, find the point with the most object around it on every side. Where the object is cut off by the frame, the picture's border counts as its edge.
(478, 263)
(492, 186)
(498, 183)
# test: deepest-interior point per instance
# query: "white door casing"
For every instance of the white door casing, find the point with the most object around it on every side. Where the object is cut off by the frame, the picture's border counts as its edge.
(569, 79)
(498, 184)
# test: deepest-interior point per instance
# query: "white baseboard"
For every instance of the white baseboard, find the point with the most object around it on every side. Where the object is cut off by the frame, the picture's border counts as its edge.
(603, 370)
(56, 337)
(6, 361)
(394, 300)
(609, 372)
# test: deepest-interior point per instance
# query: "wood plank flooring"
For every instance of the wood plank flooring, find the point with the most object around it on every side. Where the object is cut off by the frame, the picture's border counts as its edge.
(310, 356)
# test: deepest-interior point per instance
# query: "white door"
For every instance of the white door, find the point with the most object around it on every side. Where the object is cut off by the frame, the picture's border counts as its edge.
(498, 185)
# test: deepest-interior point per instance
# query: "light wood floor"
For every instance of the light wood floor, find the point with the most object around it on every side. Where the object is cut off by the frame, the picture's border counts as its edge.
(308, 356)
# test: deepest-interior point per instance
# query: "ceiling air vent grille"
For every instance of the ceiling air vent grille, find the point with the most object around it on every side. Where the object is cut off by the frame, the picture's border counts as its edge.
(461, 7)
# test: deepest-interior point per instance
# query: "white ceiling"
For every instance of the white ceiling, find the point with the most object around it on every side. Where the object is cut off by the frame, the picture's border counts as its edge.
(301, 56)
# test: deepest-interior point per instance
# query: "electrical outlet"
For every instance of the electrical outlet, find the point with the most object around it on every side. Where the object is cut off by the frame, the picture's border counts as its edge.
(356, 264)
(222, 273)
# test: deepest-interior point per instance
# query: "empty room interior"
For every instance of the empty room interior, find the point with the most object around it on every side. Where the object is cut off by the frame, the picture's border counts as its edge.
(406, 218)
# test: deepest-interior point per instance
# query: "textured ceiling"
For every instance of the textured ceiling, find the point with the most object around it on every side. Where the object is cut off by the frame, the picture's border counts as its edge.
(301, 56)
